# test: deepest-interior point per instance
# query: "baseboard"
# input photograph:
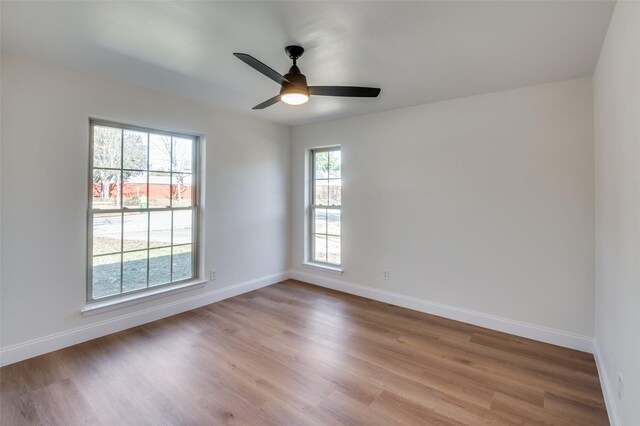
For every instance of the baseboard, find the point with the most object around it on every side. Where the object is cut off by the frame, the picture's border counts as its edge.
(610, 397)
(522, 329)
(53, 342)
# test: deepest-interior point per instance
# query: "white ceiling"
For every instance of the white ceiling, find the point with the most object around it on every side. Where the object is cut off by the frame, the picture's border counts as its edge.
(417, 52)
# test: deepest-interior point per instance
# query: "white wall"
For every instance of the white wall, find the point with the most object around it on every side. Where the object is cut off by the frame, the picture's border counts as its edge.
(617, 140)
(45, 140)
(483, 203)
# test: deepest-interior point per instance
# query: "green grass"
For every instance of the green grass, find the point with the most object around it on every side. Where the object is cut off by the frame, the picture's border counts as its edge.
(105, 245)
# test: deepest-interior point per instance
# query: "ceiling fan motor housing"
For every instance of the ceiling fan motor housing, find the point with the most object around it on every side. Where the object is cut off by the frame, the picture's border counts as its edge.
(296, 82)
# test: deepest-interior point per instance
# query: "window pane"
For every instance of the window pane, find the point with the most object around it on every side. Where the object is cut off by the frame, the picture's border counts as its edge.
(106, 191)
(182, 226)
(135, 231)
(159, 189)
(321, 160)
(107, 143)
(182, 263)
(335, 164)
(335, 192)
(320, 221)
(135, 150)
(159, 229)
(107, 233)
(320, 248)
(134, 271)
(139, 169)
(182, 155)
(134, 189)
(321, 192)
(333, 250)
(327, 192)
(333, 222)
(159, 153)
(106, 275)
(159, 266)
(181, 190)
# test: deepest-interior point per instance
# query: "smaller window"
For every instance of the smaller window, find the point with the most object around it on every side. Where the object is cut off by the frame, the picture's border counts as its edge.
(325, 206)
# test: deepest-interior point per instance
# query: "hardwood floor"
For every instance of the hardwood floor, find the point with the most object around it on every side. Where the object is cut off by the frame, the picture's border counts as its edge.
(296, 354)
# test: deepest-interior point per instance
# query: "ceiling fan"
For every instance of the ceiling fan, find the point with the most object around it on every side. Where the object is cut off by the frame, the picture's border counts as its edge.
(294, 90)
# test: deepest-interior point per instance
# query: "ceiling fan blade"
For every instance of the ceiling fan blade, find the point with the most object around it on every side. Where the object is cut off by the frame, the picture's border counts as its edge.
(349, 91)
(262, 68)
(268, 102)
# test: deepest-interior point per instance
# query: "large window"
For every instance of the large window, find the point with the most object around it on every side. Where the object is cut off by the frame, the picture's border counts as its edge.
(142, 210)
(325, 202)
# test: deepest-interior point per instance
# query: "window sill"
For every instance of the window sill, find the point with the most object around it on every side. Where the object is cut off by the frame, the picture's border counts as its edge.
(323, 268)
(95, 308)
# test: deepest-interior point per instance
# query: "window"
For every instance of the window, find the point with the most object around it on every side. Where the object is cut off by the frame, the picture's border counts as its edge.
(143, 211)
(325, 203)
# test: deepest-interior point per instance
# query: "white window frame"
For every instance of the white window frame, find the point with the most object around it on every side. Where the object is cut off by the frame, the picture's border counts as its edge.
(311, 261)
(195, 245)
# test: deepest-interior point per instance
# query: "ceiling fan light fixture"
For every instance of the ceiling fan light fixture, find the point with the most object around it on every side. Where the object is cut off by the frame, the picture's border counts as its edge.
(295, 92)
(294, 98)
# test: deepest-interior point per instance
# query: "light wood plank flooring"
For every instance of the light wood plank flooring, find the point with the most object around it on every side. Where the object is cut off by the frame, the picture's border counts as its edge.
(296, 354)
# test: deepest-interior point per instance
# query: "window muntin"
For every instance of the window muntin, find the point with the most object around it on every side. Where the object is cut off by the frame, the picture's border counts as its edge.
(325, 206)
(142, 218)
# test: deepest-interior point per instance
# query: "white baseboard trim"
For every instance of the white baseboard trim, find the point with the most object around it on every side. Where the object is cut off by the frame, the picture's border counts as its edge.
(610, 397)
(35, 347)
(518, 328)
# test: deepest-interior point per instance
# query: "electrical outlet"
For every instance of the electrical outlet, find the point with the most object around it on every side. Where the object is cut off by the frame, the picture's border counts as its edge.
(620, 386)
(385, 274)
(212, 275)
